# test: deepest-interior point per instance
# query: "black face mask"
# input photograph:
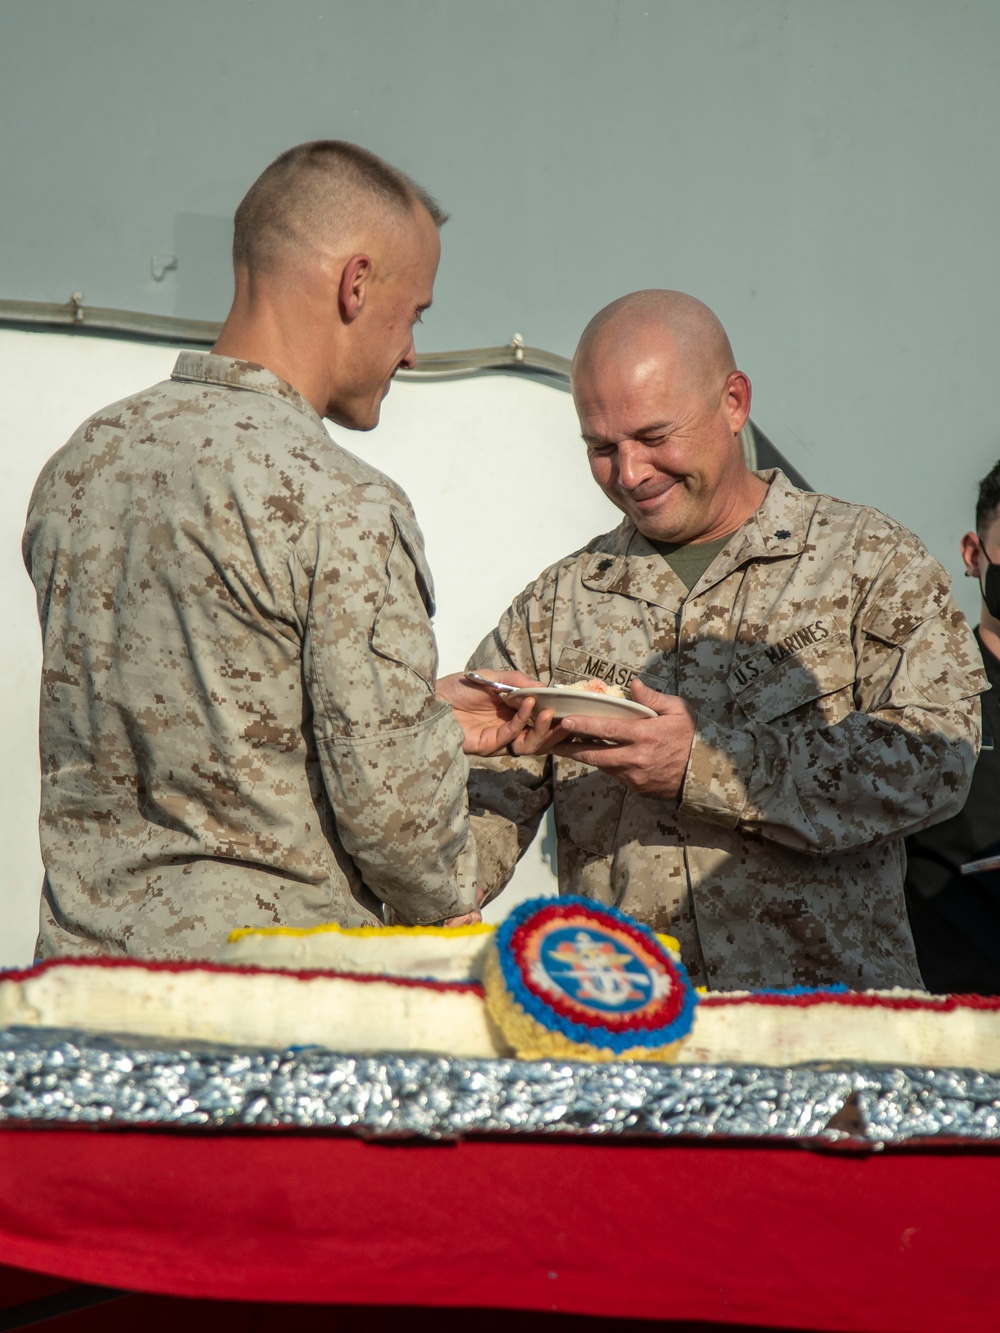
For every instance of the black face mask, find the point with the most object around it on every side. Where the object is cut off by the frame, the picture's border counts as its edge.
(990, 585)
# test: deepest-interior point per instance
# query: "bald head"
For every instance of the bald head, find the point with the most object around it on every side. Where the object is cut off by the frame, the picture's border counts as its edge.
(322, 197)
(656, 325)
(661, 406)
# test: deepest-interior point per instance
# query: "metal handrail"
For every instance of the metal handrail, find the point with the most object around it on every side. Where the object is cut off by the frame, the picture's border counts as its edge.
(76, 315)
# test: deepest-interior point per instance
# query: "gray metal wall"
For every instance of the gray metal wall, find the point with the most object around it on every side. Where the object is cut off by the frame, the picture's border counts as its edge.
(822, 172)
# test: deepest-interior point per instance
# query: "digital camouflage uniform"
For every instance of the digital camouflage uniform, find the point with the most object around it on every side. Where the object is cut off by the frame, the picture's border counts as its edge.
(238, 720)
(835, 685)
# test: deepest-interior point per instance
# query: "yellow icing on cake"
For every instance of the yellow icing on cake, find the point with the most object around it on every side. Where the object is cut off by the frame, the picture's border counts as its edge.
(452, 953)
(374, 932)
(531, 1041)
(371, 932)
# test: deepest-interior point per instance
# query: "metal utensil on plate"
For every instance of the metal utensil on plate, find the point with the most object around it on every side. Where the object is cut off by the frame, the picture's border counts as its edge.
(497, 686)
(987, 863)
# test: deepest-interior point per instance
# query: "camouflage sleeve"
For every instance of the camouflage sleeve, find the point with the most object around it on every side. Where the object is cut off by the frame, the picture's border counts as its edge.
(507, 796)
(390, 752)
(899, 756)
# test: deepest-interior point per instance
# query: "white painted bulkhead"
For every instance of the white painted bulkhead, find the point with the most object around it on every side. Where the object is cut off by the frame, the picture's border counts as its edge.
(494, 466)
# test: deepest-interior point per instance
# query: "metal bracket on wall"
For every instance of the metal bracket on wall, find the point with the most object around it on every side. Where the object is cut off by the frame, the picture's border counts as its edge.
(161, 265)
(102, 320)
(758, 451)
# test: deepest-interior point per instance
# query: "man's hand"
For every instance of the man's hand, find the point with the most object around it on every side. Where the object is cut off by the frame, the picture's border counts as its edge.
(468, 919)
(488, 723)
(648, 755)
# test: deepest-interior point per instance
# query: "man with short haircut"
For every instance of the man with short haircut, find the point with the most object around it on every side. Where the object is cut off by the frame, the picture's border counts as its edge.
(239, 724)
(955, 915)
(815, 687)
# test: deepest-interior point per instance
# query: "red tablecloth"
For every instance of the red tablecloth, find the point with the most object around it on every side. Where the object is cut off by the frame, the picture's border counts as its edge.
(184, 1314)
(780, 1236)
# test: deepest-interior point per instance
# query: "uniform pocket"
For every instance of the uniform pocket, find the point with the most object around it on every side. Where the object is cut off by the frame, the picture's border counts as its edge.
(401, 629)
(411, 540)
(587, 807)
(587, 803)
(818, 679)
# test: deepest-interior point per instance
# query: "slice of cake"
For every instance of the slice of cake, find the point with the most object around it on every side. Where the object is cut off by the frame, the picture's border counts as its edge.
(592, 686)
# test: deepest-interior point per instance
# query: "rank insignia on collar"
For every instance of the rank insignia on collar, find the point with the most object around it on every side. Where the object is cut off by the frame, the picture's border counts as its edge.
(782, 534)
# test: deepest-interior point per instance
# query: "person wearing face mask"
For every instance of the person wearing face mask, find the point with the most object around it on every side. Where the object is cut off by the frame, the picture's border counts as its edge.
(955, 916)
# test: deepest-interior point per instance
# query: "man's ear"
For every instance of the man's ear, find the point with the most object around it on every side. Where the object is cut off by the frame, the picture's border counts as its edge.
(971, 554)
(354, 279)
(736, 398)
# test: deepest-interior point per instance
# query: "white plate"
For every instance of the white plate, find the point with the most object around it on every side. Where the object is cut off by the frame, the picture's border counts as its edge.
(581, 703)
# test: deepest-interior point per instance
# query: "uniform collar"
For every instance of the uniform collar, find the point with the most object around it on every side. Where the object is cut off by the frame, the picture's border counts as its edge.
(630, 565)
(209, 368)
(777, 528)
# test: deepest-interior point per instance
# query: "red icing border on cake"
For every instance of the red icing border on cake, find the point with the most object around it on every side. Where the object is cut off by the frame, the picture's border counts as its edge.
(660, 1014)
(166, 965)
(849, 999)
(856, 999)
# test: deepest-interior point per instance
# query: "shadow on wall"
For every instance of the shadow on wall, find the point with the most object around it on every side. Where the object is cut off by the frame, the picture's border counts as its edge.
(769, 455)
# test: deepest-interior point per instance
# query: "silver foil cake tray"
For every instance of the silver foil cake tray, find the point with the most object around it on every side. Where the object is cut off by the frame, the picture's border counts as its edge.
(74, 1078)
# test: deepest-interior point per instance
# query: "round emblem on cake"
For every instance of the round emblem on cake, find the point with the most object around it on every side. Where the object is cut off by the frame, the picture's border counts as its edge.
(570, 977)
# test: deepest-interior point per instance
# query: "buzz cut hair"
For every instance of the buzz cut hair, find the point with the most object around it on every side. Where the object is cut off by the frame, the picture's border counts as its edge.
(988, 501)
(320, 190)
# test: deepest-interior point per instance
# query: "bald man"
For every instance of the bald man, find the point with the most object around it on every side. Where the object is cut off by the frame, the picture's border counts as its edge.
(239, 724)
(815, 689)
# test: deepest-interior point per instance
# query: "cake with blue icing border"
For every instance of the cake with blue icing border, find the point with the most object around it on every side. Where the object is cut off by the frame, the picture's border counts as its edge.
(568, 977)
(417, 989)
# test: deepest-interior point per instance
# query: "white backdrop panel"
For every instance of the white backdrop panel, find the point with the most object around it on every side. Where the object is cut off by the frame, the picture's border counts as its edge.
(494, 466)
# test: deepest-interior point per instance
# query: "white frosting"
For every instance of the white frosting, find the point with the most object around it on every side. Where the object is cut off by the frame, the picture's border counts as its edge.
(278, 1009)
(789, 1034)
(271, 1009)
(434, 953)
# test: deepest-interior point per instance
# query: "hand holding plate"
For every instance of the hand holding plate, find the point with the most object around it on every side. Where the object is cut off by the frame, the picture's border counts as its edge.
(648, 755)
(489, 723)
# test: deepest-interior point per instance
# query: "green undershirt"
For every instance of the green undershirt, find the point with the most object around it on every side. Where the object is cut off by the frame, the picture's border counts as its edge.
(689, 560)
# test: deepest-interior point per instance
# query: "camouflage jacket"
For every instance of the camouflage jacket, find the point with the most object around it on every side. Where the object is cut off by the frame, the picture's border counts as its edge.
(836, 690)
(238, 720)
